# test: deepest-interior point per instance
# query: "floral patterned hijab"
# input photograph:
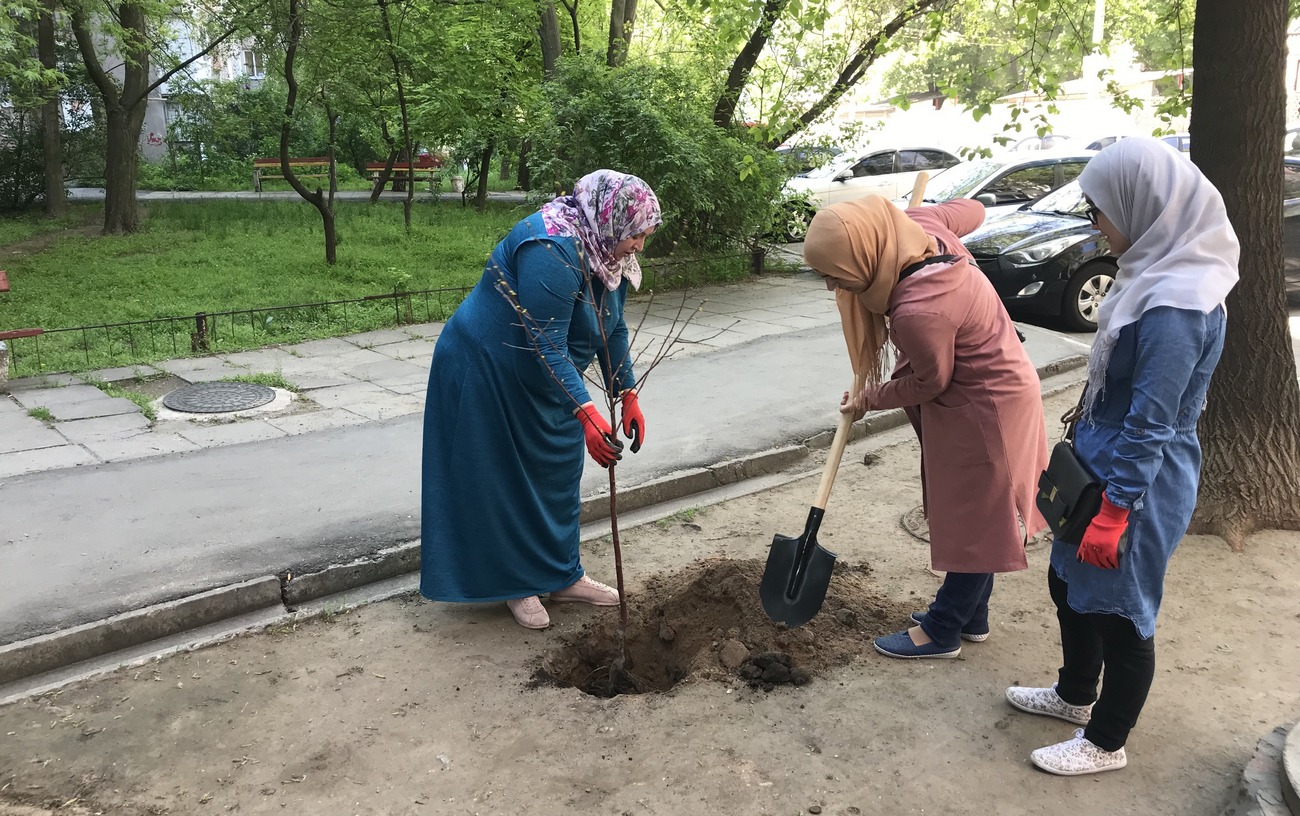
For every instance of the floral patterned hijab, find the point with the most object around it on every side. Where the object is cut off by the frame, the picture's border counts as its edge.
(606, 207)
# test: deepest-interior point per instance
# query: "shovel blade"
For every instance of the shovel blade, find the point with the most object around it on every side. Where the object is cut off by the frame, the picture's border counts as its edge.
(791, 592)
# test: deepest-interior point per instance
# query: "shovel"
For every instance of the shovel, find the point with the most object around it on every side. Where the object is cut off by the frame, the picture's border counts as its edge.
(798, 570)
(918, 190)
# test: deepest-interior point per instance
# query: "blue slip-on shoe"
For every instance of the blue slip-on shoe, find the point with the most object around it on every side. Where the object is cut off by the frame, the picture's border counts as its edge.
(974, 636)
(900, 645)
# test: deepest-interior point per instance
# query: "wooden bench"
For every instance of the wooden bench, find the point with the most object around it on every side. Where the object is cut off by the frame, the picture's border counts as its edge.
(426, 168)
(268, 169)
(15, 334)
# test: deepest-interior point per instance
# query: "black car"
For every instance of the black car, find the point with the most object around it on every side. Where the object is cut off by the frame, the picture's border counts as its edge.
(1047, 259)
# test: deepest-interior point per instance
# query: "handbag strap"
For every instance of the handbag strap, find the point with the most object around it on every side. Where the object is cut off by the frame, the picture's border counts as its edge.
(1071, 417)
(921, 264)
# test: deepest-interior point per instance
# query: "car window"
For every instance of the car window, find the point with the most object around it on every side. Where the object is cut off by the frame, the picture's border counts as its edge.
(961, 179)
(1290, 182)
(1067, 198)
(877, 165)
(1022, 185)
(909, 160)
(1071, 170)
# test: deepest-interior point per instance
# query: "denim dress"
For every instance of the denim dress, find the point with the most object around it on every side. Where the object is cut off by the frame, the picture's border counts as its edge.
(1141, 440)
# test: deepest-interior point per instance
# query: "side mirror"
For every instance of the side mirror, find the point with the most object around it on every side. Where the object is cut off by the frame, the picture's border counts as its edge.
(844, 175)
(987, 199)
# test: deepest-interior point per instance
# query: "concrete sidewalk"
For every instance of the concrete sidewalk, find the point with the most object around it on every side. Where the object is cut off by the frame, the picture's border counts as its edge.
(103, 513)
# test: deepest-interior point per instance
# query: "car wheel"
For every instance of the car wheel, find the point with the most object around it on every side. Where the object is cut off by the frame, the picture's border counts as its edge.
(1084, 294)
(796, 224)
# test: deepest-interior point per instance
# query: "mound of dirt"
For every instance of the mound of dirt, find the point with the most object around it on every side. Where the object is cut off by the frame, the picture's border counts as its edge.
(706, 623)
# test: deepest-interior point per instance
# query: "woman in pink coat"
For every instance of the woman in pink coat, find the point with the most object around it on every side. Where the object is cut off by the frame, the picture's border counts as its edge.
(966, 381)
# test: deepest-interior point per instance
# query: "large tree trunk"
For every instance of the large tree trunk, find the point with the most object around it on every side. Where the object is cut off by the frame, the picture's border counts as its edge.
(56, 199)
(745, 61)
(125, 104)
(622, 18)
(1251, 427)
(549, 34)
(121, 166)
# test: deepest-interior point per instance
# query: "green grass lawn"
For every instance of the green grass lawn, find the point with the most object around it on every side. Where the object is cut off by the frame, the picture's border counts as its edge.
(249, 257)
(221, 256)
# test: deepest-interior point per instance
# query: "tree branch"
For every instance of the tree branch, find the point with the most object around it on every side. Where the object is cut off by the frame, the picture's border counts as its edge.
(743, 66)
(94, 68)
(862, 60)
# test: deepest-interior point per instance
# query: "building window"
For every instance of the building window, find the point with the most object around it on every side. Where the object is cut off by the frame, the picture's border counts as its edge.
(253, 64)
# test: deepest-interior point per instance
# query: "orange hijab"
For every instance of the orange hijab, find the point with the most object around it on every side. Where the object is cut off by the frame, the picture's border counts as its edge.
(870, 241)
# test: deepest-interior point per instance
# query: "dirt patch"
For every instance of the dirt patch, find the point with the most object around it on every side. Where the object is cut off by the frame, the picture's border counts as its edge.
(91, 226)
(705, 622)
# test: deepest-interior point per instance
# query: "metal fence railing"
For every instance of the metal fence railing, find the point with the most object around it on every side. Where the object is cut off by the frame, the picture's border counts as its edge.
(138, 342)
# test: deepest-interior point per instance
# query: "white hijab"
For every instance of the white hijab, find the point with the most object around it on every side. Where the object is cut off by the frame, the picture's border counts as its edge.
(1184, 252)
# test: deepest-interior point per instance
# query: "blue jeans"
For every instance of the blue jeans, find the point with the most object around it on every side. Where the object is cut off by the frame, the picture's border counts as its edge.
(962, 603)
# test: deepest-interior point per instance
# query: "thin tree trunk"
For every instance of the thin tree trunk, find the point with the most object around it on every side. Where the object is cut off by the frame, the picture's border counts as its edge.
(316, 199)
(524, 178)
(484, 168)
(56, 198)
(572, 9)
(401, 105)
(1251, 427)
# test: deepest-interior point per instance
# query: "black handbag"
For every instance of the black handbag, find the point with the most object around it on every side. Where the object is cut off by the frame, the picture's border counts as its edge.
(1069, 494)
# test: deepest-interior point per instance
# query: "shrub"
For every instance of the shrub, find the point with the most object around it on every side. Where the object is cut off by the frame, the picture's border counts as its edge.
(716, 187)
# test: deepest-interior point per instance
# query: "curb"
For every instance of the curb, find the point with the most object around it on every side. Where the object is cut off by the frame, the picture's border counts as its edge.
(1264, 788)
(38, 655)
(287, 591)
(1291, 770)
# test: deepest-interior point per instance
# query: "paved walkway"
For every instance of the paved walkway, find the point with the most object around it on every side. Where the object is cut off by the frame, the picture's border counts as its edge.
(347, 381)
(102, 512)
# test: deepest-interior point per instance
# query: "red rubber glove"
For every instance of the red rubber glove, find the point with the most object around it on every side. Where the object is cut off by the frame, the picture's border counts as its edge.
(633, 419)
(1100, 544)
(601, 444)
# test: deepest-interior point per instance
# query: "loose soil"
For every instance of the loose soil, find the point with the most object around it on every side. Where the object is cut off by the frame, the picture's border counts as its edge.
(706, 623)
(409, 707)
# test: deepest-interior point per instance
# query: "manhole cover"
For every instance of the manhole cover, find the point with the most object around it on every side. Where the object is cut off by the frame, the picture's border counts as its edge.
(218, 397)
(914, 522)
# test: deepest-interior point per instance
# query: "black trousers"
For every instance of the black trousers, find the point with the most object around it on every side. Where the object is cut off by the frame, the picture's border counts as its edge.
(1090, 642)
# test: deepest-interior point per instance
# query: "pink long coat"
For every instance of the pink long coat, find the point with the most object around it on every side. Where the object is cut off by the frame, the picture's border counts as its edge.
(983, 441)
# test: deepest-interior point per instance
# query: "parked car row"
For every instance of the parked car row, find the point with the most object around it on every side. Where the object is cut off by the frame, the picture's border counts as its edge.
(1047, 259)
(1037, 245)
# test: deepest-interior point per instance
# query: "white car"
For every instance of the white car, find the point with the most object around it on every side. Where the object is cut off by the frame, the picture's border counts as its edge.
(889, 173)
(1007, 183)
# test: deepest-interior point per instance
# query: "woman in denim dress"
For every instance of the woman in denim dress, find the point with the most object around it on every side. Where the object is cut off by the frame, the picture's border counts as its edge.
(1159, 336)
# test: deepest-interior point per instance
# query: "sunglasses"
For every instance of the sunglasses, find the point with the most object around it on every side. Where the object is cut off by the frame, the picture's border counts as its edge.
(1091, 213)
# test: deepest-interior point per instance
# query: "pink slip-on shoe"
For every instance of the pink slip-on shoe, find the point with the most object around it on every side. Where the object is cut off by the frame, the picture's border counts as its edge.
(529, 612)
(585, 590)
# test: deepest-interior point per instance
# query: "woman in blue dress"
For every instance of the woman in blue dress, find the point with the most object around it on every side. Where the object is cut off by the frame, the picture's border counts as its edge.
(1159, 337)
(508, 413)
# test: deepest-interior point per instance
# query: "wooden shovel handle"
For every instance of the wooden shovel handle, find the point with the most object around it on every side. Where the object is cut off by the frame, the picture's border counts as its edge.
(836, 452)
(918, 189)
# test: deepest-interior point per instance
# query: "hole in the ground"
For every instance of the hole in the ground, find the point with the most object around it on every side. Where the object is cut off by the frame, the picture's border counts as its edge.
(707, 623)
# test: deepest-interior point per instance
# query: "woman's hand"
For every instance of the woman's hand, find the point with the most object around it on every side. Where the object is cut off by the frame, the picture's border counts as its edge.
(1100, 544)
(601, 444)
(633, 419)
(857, 405)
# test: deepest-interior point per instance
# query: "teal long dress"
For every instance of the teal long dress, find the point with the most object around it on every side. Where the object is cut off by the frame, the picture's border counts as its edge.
(503, 452)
